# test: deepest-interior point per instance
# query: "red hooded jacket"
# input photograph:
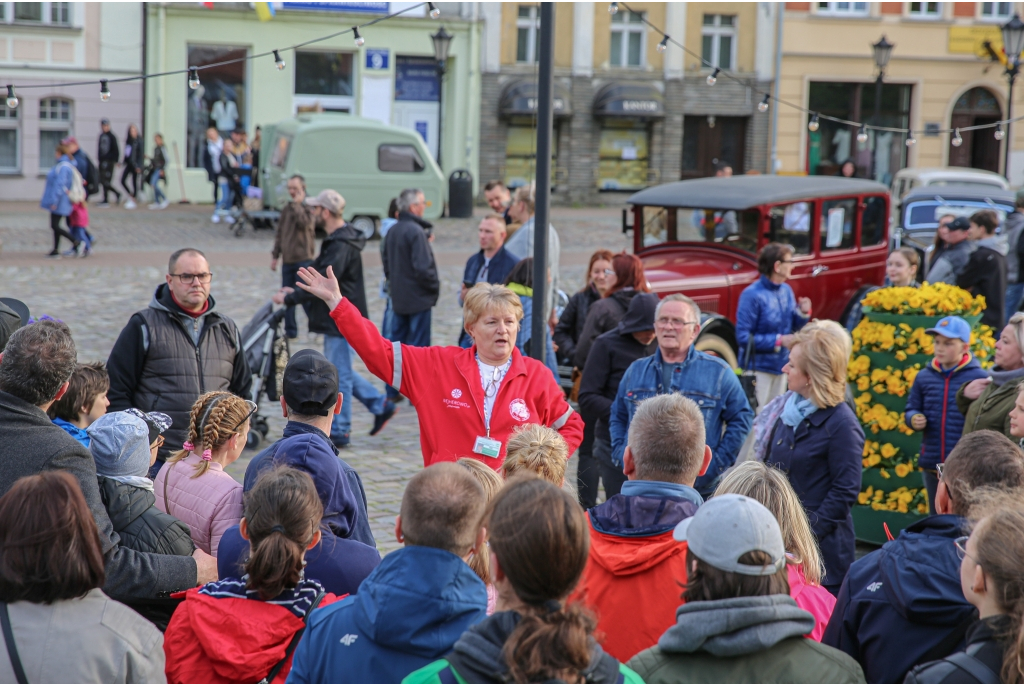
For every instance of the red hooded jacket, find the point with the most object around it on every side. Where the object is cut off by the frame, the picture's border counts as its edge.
(229, 640)
(443, 383)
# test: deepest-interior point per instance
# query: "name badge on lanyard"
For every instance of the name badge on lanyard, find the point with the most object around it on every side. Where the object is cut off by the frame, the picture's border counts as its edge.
(487, 447)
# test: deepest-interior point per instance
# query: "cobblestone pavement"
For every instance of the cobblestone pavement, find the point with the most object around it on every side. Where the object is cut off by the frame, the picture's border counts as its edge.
(97, 295)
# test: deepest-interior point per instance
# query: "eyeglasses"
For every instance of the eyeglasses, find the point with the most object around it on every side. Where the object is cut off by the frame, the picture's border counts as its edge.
(158, 443)
(938, 470)
(252, 410)
(186, 279)
(491, 387)
(785, 261)
(665, 322)
(609, 272)
(961, 548)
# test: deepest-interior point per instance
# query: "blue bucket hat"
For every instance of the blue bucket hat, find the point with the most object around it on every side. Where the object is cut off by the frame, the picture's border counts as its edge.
(952, 327)
(120, 442)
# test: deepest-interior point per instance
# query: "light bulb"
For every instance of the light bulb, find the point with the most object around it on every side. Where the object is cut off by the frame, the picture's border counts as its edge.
(762, 106)
(359, 39)
(613, 8)
(278, 61)
(434, 12)
(713, 76)
(193, 78)
(104, 91)
(813, 124)
(999, 133)
(663, 45)
(12, 99)
(862, 134)
(911, 140)
(956, 140)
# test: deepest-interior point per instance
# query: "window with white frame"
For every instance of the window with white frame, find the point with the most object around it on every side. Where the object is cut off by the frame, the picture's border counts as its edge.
(527, 24)
(628, 39)
(718, 40)
(855, 9)
(925, 10)
(54, 125)
(10, 141)
(996, 11)
(52, 13)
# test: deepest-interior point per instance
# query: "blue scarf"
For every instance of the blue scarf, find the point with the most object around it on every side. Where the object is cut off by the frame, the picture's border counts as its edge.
(797, 409)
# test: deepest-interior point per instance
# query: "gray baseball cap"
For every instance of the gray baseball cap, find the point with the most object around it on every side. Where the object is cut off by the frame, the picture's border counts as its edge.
(728, 526)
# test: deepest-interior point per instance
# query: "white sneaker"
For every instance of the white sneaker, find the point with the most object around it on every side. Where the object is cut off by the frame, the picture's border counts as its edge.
(154, 205)
(164, 204)
(215, 218)
(129, 204)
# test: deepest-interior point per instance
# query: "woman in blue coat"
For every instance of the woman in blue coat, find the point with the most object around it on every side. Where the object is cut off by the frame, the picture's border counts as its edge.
(819, 443)
(55, 197)
(768, 313)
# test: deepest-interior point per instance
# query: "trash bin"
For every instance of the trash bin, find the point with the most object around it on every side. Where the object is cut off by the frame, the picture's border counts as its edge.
(460, 194)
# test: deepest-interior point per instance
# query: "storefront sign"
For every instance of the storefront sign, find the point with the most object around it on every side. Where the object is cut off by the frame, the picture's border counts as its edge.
(348, 7)
(557, 104)
(969, 40)
(639, 106)
(376, 58)
(416, 79)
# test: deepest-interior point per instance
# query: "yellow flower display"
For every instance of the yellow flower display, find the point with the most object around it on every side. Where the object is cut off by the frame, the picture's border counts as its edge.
(931, 299)
(903, 500)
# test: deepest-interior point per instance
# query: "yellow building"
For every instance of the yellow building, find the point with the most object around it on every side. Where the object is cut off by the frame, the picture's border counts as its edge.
(939, 76)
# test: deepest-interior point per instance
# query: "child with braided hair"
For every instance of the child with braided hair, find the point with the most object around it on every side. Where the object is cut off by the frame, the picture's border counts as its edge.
(537, 449)
(193, 486)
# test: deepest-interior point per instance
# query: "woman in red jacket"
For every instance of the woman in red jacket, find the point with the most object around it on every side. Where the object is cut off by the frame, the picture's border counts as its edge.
(468, 401)
(244, 630)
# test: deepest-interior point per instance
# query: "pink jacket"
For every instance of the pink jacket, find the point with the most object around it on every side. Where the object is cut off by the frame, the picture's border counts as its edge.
(813, 598)
(208, 505)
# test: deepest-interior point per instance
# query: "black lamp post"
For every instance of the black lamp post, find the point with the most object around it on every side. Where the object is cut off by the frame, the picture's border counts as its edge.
(1013, 45)
(882, 51)
(442, 42)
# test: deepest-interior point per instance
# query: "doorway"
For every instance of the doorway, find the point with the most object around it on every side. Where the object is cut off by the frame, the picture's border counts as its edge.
(980, 149)
(708, 140)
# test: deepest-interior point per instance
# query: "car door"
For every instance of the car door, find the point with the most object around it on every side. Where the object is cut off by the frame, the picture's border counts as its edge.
(834, 272)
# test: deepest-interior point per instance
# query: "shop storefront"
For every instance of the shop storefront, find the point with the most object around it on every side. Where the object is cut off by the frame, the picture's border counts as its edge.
(518, 107)
(626, 112)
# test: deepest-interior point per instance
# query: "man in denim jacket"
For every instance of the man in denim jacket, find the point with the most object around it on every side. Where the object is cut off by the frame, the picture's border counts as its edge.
(678, 367)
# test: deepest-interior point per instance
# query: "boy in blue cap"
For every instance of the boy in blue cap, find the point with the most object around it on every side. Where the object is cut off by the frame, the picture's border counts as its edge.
(932, 404)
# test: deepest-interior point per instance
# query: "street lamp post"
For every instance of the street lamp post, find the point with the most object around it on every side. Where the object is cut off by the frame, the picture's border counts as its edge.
(1013, 44)
(442, 41)
(882, 51)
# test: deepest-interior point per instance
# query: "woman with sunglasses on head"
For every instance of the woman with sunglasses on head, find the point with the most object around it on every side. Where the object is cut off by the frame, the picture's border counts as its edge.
(193, 486)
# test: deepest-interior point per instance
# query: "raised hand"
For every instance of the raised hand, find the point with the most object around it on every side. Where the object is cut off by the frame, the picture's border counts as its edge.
(324, 287)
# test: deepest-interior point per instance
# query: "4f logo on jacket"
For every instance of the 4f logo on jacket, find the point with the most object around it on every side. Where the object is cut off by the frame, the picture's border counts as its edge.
(347, 640)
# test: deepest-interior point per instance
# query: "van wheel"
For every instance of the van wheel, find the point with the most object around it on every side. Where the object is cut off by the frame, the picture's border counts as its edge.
(366, 225)
(718, 347)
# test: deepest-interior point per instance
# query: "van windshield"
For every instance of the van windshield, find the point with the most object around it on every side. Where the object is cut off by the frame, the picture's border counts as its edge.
(279, 152)
(697, 224)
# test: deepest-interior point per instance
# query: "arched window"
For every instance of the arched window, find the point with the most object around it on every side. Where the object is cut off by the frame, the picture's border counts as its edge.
(55, 123)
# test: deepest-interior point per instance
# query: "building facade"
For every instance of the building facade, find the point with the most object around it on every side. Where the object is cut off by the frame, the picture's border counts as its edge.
(940, 76)
(47, 43)
(392, 77)
(627, 115)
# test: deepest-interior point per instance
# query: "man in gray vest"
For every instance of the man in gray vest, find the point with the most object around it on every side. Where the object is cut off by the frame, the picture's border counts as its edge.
(177, 349)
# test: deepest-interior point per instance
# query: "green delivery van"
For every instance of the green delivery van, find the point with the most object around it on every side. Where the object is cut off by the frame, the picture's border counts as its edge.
(366, 161)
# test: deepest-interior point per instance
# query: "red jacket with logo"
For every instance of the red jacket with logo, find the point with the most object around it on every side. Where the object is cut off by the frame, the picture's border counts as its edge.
(443, 383)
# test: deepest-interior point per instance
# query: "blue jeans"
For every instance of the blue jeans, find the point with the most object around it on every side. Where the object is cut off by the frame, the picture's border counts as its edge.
(1014, 294)
(154, 180)
(411, 329)
(350, 384)
(224, 204)
(289, 276)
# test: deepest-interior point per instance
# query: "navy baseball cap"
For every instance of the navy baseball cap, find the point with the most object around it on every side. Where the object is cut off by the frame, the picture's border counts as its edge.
(952, 327)
(961, 223)
(310, 384)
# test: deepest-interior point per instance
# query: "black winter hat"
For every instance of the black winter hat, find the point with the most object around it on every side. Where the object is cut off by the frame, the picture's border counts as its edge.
(640, 314)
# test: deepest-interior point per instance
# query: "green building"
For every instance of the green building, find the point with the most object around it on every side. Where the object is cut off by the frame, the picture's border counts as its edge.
(393, 77)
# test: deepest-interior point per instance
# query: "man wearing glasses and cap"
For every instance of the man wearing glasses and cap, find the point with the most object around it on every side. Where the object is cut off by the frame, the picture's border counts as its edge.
(176, 349)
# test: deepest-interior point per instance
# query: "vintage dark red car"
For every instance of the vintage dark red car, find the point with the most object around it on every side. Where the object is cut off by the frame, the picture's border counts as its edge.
(701, 237)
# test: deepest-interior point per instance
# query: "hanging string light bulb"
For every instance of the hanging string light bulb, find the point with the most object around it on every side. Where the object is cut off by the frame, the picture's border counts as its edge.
(193, 78)
(359, 39)
(613, 8)
(104, 91)
(813, 124)
(999, 133)
(663, 45)
(434, 12)
(278, 61)
(911, 140)
(762, 106)
(956, 140)
(862, 134)
(12, 98)
(713, 76)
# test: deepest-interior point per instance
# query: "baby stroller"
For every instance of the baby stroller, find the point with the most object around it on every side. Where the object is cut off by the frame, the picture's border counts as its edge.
(266, 349)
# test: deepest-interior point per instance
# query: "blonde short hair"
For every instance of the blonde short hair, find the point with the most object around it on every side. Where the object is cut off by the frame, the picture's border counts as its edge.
(485, 297)
(770, 486)
(526, 194)
(826, 348)
(537, 449)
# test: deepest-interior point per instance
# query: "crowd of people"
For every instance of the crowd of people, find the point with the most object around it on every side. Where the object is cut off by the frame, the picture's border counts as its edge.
(723, 550)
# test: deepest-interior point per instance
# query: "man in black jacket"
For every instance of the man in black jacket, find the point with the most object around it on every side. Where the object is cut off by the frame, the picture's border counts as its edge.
(341, 250)
(34, 372)
(609, 357)
(177, 349)
(411, 271)
(985, 273)
(108, 154)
